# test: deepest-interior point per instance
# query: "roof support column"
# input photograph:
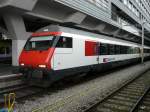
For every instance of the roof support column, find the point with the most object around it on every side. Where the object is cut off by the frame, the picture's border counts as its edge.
(16, 28)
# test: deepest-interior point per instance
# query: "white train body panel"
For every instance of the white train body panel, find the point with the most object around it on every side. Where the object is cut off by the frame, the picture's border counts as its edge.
(65, 58)
(72, 57)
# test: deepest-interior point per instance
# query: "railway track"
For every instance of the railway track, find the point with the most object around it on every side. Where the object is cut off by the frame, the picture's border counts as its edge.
(7, 81)
(20, 91)
(144, 104)
(133, 97)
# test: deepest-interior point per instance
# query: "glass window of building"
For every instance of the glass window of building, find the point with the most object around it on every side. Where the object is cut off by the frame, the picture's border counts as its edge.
(104, 4)
(130, 5)
(125, 2)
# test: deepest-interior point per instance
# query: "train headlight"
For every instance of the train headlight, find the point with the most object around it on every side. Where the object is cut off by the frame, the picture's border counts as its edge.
(22, 64)
(42, 66)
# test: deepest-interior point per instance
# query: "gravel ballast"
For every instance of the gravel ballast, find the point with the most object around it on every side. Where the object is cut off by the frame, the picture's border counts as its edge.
(73, 98)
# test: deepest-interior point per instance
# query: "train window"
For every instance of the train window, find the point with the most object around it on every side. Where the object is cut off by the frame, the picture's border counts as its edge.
(132, 50)
(103, 49)
(146, 50)
(129, 50)
(123, 50)
(64, 42)
(111, 49)
(117, 49)
(2, 50)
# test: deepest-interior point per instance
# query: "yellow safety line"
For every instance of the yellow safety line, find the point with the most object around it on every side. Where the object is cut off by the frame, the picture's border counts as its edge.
(5, 98)
(9, 104)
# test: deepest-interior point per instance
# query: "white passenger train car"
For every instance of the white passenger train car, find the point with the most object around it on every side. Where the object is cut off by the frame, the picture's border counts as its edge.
(58, 51)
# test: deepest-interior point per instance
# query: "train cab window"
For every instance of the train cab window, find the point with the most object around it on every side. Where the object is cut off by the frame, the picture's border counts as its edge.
(39, 43)
(64, 42)
(103, 49)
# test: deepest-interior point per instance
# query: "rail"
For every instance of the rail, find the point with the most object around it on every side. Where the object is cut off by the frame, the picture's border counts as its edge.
(127, 98)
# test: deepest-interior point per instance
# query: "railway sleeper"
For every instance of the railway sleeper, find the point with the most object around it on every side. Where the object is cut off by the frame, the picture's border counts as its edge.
(125, 98)
(133, 90)
(132, 87)
(144, 108)
(121, 102)
(128, 95)
(115, 107)
(126, 92)
(146, 102)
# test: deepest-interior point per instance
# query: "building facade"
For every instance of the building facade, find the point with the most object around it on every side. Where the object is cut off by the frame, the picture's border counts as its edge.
(127, 14)
(117, 18)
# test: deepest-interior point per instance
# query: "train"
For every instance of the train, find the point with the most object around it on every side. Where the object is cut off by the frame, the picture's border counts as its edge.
(56, 52)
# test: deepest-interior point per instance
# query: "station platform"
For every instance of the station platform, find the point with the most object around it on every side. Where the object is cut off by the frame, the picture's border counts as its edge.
(8, 76)
(5, 69)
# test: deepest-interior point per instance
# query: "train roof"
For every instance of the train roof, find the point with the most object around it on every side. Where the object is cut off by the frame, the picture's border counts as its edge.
(57, 28)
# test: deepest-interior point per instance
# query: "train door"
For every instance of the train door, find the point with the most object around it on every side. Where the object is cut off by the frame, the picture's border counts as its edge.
(98, 52)
(63, 53)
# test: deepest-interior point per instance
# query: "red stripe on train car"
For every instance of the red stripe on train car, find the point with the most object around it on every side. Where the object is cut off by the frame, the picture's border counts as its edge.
(37, 34)
(90, 48)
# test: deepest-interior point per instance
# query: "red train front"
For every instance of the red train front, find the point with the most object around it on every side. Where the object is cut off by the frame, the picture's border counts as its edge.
(35, 59)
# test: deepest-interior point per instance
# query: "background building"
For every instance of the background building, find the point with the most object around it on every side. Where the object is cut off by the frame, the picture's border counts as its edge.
(117, 18)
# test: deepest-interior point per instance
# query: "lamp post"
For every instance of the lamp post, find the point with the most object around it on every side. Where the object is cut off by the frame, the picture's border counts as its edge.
(142, 49)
